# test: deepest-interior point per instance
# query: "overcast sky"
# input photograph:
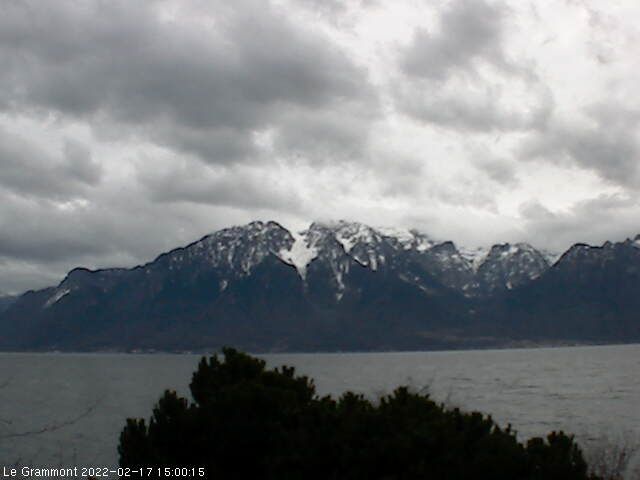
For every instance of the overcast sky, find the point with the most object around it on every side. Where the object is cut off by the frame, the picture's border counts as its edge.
(129, 128)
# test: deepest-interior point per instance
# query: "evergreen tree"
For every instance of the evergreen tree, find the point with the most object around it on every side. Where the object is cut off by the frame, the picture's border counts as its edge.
(247, 421)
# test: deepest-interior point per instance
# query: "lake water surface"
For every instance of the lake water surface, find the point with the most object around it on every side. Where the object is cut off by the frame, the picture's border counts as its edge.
(68, 409)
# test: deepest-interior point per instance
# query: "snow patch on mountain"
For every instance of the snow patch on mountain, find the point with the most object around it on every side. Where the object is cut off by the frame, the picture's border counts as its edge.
(407, 239)
(403, 236)
(336, 245)
(351, 233)
(55, 298)
(474, 255)
(300, 254)
(422, 243)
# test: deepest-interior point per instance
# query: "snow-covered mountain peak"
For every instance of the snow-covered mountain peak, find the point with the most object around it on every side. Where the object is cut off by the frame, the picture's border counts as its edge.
(404, 236)
(511, 265)
(321, 236)
(474, 255)
(508, 250)
(335, 246)
(335, 240)
(448, 253)
(407, 239)
(253, 230)
(237, 249)
(350, 234)
(503, 250)
(576, 252)
(379, 246)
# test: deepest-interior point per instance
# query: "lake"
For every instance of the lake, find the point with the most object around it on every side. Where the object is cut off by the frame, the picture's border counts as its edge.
(68, 409)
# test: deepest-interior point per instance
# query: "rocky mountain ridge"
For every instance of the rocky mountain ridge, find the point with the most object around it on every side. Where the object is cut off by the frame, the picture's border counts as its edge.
(334, 285)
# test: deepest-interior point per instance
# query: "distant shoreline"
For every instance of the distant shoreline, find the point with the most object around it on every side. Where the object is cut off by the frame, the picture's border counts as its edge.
(531, 346)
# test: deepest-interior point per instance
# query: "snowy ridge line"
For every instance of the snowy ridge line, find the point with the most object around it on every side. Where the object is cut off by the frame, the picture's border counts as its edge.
(337, 247)
(475, 256)
(240, 248)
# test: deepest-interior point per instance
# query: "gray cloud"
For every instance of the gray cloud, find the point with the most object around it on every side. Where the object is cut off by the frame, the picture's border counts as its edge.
(202, 85)
(606, 142)
(499, 169)
(339, 12)
(41, 230)
(594, 221)
(197, 114)
(19, 276)
(501, 172)
(325, 137)
(79, 165)
(469, 32)
(239, 188)
(446, 82)
(473, 110)
(200, 80)
(31, 171)
(40, 241)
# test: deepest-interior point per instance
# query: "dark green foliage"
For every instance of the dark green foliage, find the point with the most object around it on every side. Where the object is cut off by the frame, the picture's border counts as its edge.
(250, 422)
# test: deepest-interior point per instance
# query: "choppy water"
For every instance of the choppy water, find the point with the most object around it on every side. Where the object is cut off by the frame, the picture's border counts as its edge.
(68, 409)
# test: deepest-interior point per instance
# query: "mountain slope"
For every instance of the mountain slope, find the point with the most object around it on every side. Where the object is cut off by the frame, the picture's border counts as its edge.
(334, 286)
(6, 301)
(590, 293)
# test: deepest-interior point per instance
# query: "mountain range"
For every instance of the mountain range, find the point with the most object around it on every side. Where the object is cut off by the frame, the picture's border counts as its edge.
(335, 286)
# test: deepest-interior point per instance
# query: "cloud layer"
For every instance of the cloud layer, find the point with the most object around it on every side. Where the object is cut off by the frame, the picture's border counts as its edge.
(127, 128)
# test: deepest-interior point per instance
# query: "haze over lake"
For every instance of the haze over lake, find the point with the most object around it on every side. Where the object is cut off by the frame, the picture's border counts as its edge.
(84, 399)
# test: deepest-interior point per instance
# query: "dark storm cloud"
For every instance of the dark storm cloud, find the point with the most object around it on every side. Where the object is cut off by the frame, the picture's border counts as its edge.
(31, 171)
(202, 84)
(605, 142)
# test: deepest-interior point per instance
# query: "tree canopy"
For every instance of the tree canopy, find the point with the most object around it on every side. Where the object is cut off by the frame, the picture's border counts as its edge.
(247, 421)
